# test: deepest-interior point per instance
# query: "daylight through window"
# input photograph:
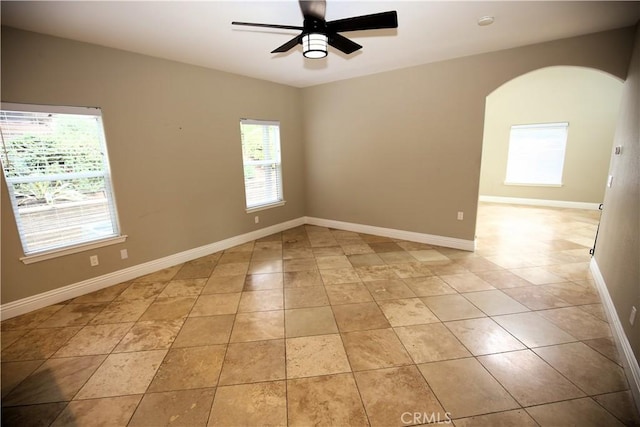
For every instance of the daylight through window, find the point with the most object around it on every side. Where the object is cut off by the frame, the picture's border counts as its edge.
(536, 154)
(262, 164)
(57, 171)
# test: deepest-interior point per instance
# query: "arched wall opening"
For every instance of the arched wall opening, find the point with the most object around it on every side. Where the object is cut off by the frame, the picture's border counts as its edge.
(587, 99)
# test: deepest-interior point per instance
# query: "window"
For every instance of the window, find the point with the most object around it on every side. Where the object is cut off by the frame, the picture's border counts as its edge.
(536, 154)
(57, 171)
(262, 165)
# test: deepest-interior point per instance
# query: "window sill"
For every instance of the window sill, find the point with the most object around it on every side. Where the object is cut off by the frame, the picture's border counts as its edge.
(532, 184)
(263, 207)
(56, 253)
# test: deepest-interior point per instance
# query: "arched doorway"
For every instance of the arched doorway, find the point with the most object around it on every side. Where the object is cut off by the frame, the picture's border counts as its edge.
(584, 100)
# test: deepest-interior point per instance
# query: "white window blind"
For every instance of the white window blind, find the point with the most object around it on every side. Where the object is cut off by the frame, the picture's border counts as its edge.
(536, 154)
(57, 171)
(262, 164)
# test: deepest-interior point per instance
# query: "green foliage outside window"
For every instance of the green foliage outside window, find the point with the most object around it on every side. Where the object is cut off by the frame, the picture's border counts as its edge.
(56, 149)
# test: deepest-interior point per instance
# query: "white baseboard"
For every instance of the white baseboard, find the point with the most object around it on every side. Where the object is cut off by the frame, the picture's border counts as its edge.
(26, 305)
(629, 360)
(448, 242)
(540, 202)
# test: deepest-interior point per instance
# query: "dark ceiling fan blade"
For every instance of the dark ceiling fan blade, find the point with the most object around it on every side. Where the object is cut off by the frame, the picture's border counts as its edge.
(252, 24)
(313, 8)
(343, 44)
(365, 22)
(288, 45)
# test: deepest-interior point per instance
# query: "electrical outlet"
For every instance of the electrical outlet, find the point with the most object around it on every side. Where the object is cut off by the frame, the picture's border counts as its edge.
(256, 219)
(124, 254)
(632, 316)
(93, 259)
(460, 216)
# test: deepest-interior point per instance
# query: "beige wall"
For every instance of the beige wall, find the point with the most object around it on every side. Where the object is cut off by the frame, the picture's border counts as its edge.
(174, 143)
(618, 246)
(587, 99)
(402, 149)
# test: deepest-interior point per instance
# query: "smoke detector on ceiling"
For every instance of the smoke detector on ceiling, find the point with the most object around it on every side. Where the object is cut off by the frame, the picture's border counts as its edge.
(485, 20)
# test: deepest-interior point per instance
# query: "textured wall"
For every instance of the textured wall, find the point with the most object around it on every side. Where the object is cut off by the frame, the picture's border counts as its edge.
(618, 245)
(173, 134)
(402, 149)
(399, 149)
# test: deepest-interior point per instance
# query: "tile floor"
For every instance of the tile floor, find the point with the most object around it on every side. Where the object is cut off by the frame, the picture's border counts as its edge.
(315, 326)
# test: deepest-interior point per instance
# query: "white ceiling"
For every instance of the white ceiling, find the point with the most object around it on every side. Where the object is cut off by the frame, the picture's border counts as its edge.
(201, 33)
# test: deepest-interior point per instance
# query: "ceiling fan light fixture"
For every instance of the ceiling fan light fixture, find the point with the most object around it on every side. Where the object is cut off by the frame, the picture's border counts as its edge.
(314, 45)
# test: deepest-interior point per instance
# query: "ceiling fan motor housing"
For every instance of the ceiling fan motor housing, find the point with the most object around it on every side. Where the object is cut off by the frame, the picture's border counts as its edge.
(313, 25)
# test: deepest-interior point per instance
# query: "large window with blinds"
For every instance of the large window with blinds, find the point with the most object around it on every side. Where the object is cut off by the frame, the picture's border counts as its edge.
(262, 164)
(536, 154)
(57, 172)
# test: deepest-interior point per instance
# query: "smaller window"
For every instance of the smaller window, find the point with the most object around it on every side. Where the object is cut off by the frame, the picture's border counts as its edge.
(262, 164)
(536, 154)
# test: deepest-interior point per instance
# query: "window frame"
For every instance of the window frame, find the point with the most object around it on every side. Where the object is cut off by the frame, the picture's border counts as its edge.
(37, 255)
(509, 180)
(277, 161)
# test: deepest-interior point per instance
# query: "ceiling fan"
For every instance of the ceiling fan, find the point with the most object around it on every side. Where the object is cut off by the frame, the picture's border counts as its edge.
(317, 32)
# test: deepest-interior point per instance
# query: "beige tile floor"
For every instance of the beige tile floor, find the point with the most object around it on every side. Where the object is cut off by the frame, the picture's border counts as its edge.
(315, 326)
